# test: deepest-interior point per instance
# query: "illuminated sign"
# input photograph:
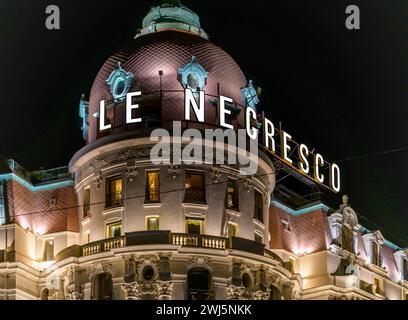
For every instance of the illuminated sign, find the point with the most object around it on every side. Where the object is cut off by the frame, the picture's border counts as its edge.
(278, 143)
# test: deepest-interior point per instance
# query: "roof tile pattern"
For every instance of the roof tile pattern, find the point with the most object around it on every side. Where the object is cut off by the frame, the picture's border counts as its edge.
(36, 211)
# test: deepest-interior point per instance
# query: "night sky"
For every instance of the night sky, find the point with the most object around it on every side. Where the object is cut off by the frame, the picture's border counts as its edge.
(342, 92)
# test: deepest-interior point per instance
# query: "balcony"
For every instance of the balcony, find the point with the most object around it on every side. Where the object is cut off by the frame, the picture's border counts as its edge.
(176, 239)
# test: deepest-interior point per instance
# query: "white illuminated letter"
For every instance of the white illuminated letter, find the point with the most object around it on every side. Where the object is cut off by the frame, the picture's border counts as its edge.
(335, 177)
(303, 154)
(318, 162)
(269, 132)
(224, 111)
(251, 132)
(285, 147)
(130, 107)
(190, 100)
(102, 125)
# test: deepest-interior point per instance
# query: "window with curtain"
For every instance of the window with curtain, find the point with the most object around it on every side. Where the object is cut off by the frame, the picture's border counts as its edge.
(195, 187)
(114, 230)
(194, 226)
(152, 186)
(113, 192)
(152, 223)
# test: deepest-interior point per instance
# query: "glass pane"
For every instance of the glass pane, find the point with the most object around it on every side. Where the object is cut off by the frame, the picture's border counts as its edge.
(87, 201)
(153, 224)
(258, 214)
(114, 192)
(195, 187)
(153, 186)
(114, 230)
(194, 227)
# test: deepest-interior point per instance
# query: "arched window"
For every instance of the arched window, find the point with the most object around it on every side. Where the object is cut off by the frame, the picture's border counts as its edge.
(44, 294)
(102, 287)
(199, 284)
(275, 293)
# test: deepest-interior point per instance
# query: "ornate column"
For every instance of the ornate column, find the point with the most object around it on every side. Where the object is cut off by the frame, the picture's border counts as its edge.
(164, 290)
(131, 290)
(164, 284)
(235, 291)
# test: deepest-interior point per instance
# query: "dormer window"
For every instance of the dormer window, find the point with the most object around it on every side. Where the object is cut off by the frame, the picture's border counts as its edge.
(347, 239)
(375, 257)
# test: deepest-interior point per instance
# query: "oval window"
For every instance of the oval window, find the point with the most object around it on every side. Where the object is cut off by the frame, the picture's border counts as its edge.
(120, 87)
(148, 273)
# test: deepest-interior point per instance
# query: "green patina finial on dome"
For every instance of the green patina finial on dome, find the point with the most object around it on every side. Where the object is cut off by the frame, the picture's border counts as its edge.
(171, 15)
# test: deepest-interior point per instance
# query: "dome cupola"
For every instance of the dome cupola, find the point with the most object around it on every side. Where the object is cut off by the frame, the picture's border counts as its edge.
(171, 15)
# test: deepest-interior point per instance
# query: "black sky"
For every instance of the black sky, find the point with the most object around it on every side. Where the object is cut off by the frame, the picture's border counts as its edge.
(342, 92)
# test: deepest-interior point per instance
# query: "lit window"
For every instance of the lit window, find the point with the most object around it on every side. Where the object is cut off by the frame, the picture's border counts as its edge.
(258, 214)
(152, 186)
(258, 238)
(195, 187)
(232, 230)
(114, 230)
(152, 223)
(232, 196)
(87, 203)
(113, 193)
(194, 226)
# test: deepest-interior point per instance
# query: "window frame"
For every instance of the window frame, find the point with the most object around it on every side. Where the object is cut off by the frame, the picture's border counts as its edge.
(262, 209)
(235, 195)
(202, 225)
(203, 186)
(86, 207)
(108, 201)
(147, 187)
(109, 224)
(147, 222)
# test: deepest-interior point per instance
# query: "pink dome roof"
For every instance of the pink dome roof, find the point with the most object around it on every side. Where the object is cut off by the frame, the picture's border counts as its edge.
(167, 51)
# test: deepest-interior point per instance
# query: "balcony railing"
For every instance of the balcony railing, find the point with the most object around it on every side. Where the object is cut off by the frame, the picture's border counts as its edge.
(178, 239)
(199, 241)
(103, 245)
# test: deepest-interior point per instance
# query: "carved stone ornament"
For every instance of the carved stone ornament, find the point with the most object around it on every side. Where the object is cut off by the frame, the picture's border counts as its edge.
(200, 261)
(131, 290)
(134, 153)
(216, 175)
(174, 170)
(131, 173)
(248, 185)
(74, 296)
(100, 267)
(164, 290)
(235, 292)
(261, 295)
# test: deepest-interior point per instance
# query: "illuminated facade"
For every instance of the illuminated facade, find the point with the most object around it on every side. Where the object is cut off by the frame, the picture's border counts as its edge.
(113, 225)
